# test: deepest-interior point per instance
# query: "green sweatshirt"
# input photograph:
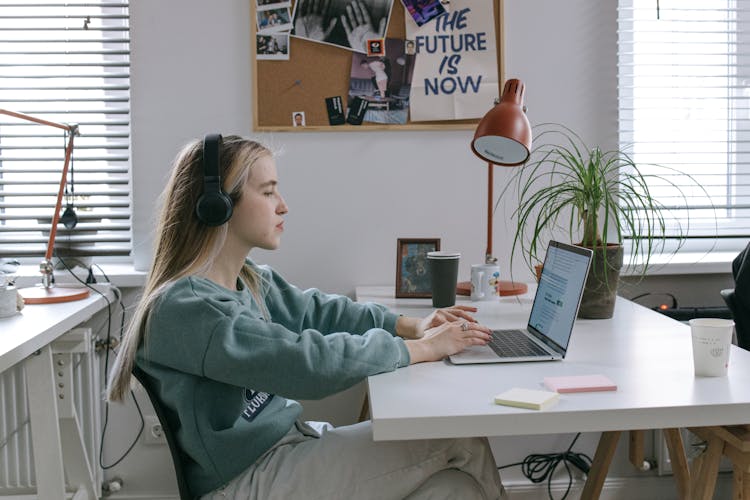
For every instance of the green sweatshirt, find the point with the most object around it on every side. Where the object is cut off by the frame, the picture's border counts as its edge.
(228, 369)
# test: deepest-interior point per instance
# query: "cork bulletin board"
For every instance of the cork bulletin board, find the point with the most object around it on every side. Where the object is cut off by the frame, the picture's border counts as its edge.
(315, 71)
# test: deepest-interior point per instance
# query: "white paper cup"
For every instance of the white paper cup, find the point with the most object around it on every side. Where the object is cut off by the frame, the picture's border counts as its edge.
(711, 340)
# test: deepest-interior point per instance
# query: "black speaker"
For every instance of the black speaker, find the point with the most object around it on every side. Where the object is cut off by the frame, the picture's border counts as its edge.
(214, 207)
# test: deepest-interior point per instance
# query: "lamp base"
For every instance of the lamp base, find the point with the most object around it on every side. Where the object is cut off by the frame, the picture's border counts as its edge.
(52, 295)
(505, 288)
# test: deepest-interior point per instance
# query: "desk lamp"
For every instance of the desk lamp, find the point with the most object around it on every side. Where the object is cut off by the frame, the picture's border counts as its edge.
(46, 292)
(502, 137)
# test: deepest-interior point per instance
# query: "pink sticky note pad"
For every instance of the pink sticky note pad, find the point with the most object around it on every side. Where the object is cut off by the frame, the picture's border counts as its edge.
(580, 383)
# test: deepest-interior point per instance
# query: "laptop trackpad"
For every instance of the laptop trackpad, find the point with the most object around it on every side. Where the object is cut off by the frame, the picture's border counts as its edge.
(476, 354)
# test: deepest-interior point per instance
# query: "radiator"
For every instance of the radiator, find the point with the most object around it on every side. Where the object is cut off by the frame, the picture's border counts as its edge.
(17, 476)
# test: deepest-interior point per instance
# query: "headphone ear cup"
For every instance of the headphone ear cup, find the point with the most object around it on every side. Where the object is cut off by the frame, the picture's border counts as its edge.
(214, 209)
(214, 206)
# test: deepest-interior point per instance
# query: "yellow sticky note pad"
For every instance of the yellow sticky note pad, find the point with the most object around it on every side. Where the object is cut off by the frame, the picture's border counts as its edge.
(527, 398)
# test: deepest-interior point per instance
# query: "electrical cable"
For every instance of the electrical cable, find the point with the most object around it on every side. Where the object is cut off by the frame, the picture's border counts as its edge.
(674, 299)
(108, 348)
(12, 433)
(539, 467)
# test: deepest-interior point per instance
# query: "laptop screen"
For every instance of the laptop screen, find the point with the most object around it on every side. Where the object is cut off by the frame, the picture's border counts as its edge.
(559, 292)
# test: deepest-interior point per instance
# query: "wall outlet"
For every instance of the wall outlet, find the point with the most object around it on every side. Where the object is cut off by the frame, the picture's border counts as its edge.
(153, 433)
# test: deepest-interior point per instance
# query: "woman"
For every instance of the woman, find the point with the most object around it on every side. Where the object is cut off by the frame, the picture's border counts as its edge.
(229, 344)
(381, 67)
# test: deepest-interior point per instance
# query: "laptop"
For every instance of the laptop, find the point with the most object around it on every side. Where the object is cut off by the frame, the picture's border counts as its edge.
(553, 313)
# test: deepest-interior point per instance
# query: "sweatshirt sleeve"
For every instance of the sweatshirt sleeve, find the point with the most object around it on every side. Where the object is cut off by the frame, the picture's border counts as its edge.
(222, 340)
(302, 309)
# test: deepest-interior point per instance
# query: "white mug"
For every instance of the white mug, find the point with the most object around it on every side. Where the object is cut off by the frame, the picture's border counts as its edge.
(8, 301)
(484, 281)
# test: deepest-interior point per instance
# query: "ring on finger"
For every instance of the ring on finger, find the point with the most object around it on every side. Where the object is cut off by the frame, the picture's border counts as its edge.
(464, 326)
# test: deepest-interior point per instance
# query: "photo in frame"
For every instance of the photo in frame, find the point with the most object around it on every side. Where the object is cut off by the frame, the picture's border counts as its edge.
(412, 272)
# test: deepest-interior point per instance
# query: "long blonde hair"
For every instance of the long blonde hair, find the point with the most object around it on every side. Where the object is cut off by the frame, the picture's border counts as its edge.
(184, 245)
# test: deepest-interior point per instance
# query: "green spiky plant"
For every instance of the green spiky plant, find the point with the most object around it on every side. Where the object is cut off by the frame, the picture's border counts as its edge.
(598, 198)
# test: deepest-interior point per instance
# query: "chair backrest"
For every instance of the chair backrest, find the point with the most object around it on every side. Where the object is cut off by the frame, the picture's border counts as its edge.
(741, 318)
(174, 449)
(738, 300)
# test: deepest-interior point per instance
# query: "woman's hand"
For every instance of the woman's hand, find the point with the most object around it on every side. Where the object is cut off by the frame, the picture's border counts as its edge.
(446, 315)
(415, 328)
(446, 339)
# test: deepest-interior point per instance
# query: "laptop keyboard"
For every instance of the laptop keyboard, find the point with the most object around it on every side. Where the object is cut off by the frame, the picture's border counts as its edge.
(514, 343)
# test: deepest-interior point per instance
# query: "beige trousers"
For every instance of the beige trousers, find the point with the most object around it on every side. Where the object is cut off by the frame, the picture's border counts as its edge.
(315, 461)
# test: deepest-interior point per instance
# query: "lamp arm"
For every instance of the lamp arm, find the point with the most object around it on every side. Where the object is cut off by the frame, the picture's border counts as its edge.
(69, 128)
(46, 265)
(60, 193)
(490, 207)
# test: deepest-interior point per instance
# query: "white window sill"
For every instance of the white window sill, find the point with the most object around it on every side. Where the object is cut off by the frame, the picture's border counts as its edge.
(687, 263)
(121, 275)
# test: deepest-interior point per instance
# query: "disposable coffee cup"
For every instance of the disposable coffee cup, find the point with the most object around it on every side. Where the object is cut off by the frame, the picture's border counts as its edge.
(444, 277)
(712, 338)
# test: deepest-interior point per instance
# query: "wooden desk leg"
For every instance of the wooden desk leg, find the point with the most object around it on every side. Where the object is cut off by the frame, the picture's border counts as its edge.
(679, 462)
(364, 412)
(741, 487)
(707, 468)
(600, 466)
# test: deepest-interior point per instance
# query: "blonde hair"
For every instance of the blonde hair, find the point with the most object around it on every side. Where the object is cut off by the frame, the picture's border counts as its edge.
(184, 245)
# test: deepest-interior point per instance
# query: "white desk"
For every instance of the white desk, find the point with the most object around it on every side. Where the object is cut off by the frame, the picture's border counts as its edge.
(648, 356)
(27, 337)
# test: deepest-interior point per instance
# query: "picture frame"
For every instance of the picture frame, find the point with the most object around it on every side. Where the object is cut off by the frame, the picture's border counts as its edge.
(412, 273)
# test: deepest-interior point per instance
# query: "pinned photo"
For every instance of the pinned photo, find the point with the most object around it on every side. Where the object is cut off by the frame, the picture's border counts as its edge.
(409, 47)
(383, 82)
(376, 47)
(344, 23)
(274, 46)
(423, 11)
(274, 20)
(298, 119)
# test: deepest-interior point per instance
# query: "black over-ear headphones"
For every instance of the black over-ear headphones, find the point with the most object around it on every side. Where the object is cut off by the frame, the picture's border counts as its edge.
(214, 207)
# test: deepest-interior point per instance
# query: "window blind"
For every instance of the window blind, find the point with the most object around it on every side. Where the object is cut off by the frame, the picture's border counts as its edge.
(65, 62)
(684, 104)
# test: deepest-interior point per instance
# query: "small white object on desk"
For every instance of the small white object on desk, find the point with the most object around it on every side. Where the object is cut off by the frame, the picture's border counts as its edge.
(527, 398)
(10, 302)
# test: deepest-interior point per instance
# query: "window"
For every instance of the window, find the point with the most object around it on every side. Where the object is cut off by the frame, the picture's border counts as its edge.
(65, 62)
(684, 102)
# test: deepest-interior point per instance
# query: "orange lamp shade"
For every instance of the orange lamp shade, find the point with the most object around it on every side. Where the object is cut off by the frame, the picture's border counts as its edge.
(503, 135)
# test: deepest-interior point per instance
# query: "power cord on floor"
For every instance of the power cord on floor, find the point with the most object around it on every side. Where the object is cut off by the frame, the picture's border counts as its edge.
(540, 467)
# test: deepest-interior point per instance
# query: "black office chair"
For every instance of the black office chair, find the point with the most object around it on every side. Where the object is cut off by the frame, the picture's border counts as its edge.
(174, 449)
(738, 298)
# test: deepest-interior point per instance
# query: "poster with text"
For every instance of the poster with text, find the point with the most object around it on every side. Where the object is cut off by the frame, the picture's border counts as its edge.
(455, 71)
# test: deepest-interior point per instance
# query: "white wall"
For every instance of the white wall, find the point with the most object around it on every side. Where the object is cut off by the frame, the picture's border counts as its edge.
(352, 194)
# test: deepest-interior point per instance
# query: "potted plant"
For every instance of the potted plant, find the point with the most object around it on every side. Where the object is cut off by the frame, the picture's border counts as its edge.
(597, 199)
